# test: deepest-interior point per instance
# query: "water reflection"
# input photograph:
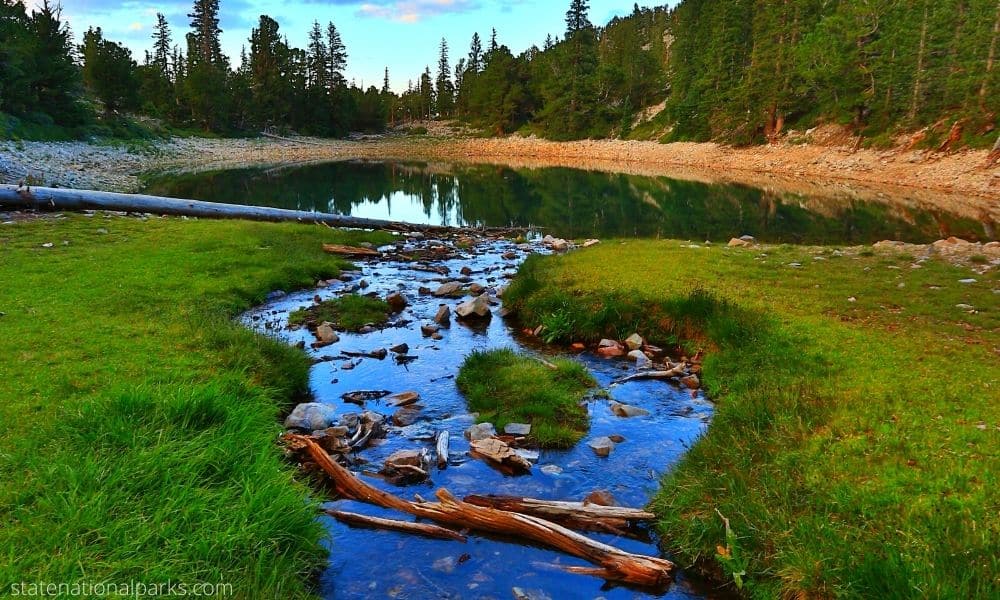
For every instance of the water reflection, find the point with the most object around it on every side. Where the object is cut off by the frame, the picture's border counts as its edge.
(571, 203)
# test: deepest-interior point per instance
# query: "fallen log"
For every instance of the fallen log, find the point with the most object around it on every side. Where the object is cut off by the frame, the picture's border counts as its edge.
(442, 449)
(677, 371)
(43, 198)
(349, 250)
(424, 529)
(614, 564)
(575, 515)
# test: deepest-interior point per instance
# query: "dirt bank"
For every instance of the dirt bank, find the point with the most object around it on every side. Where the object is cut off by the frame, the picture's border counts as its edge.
(956, 182)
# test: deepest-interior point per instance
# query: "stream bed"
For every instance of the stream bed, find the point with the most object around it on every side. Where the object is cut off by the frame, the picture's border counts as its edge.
(367, 563)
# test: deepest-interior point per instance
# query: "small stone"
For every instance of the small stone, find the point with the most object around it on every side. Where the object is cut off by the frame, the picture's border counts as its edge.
(448, 289)
(627, 410)
(444, 565)
(325, 335)
(967, 281)
(403, 398)
(577, 347)
(641, 360)
(379, 354)
(551, 469)
(437, 337)
(517, 428)
(466, 271)
(739, 243)
(443, 315)
(363, 284)
(476, 288)
(311, 416)
(48, 245)
(480, 431)
(428, 330)
(528, 455)
(616, 438)
(396, 301)
(400, 348)
(405, 416)
(634, 341)
(601, 446)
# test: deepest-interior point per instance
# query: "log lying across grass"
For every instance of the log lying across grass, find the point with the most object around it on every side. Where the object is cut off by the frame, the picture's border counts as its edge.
(43, 198)
(611, 563)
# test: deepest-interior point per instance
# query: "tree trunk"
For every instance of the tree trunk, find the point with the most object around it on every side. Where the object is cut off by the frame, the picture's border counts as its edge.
(918, 77)
(990, 61)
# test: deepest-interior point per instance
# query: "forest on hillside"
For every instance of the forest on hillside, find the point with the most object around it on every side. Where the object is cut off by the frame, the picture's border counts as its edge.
(737, 71)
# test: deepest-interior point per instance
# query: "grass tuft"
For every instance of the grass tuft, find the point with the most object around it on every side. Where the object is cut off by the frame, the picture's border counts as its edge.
(349, 313)
(506, 387)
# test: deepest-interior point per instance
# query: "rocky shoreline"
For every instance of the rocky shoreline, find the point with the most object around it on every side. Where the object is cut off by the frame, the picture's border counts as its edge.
(956, 182)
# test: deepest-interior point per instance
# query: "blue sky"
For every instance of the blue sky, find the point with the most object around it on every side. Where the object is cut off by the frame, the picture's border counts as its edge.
(401, 34)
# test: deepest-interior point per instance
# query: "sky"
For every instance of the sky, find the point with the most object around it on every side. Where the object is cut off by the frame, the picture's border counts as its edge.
(403, 35)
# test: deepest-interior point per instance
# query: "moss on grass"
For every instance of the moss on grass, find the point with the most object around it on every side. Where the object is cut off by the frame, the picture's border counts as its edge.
(506, 387)
(348, 313)
(853, 446)
(137, 421)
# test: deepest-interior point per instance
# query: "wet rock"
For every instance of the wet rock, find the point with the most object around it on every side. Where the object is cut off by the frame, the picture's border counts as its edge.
(551, 469)
(448, 289)
(616, 438)
(517, 428)
(634, 342)
(480, 431)
(499, 452)
(367, 329)
(406, 466)
(403, 398)
(428, 330)
(424, 291)
(641, 360)
(275, 295)
(363, 284)
(325, 336)
(350, 420)
(437, 337)
(311, 416)
(627, 410)
(601, 446)
(600, 498)
(477, 308)
(528, 455)
(405, 417)
(691, 382)
(322, 284)
(400, 348)
(509, 256)
(523, 594)
(476, 288)
(445, 565)
(360, 397)
(466, 271)
(379, 354)
(396, 301)
(610, 349)
(443, 315)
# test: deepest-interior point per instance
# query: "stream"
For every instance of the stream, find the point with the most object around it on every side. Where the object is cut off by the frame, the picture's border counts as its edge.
(367, 563)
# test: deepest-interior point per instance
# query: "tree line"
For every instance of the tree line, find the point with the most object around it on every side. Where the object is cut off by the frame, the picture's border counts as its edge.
(741, 71)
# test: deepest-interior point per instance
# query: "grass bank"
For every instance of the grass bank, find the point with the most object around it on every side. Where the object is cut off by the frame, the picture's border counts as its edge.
(854, 447)
(137, 421)
(506, 387)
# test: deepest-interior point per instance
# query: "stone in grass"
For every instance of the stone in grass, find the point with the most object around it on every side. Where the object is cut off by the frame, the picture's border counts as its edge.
(311, 416)
(627, 410)
(601, 446)
(517, 428)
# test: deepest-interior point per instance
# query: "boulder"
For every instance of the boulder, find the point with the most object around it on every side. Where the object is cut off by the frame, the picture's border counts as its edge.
(601, 446)
(443, 315)
(634, 341)
(325, 335)
(517, 428)
(627, 410)
(480, 431)
(477, 308)
(476, 288)
(406, 466)
(739, 243)
(641, 360)
(499, 452)
(311, 416)
(452, 287)
(396, 301)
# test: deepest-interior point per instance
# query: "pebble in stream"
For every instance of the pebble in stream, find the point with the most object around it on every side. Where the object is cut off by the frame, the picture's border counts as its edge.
(379, 564)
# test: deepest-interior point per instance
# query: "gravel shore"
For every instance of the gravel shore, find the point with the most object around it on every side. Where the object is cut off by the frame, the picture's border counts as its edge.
(955, 182)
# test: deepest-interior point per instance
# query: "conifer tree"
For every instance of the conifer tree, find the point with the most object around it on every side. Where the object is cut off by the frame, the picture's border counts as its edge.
(445, 96)
(475, 54)
(161, 45)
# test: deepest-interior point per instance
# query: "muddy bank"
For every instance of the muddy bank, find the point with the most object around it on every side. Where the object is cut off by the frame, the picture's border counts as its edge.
(955, 182)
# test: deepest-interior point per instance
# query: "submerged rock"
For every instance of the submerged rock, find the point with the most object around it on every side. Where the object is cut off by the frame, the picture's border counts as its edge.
(627, 410)
(600, 498)
(403, 398)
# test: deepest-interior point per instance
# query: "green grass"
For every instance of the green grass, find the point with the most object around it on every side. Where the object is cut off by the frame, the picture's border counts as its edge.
(854, 446)
(350, 313)
(137, 421)
(506, 387)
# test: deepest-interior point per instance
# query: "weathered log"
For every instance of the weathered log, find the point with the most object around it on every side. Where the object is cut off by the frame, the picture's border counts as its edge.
(575, 515)
(43, 198)
(676, 371)
(442, 449)
(615, 564)
(349, 250)
(424, 529)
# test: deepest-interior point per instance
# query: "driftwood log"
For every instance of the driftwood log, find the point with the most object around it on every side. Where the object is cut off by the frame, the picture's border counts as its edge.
(442, 449)
(675, 371)
(611, 563)
(575, 515)
(43, 198)
(424, 529)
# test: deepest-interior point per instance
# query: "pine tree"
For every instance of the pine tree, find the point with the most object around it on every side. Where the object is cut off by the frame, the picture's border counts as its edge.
(318, 59)
(53, 83)
(576, 17)
(337, 55)
(161, 45)
(493, 41)
(475, 54)
(109, 72)
(205, 23)
(445, 97)
(385, 82)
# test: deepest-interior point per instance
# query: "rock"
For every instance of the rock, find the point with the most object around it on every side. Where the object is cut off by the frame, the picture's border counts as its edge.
(601, 446)
(448, 289)
(311, 416)
(552, 469)
(641, 360)
(466, 271)
(600, 498)
(363, 284)
(443, 315)
(577, 347)
(325, 335)
(477, 308)
(405, 416)
(366, 330)
(360, 397)
(322, 284)
(396, 301)
(406, 466)
(691, 382)
(591, 243)
(509, 256)
(616, 438)
(499, 452)
(428, 330)
(480, 431)
(606, 343)
(400, 348)
(739, 243)
(403, 398)
(531, 456)
(476, 288)
(275, 295)
(611, 351)
(634, 341)
(627, 410)
(445, 565)
(523, 594)
(748, 239)
(437, 337)
(967, 281)
(517, 428)
(379, 354)
(560, 245)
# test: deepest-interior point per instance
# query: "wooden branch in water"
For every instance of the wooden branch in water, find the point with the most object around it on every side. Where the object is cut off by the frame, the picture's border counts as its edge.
(424, 529)
(43, 198)
(615, 564)
(575, 515)
(442, 449)
(677, 371)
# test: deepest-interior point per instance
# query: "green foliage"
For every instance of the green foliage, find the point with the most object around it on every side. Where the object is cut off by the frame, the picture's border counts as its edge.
(819, 452)
(351, 312)
(141, 443)
(506, 387)
(109, 72)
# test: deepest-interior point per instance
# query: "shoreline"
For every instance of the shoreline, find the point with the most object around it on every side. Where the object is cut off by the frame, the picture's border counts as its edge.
(956, 183)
